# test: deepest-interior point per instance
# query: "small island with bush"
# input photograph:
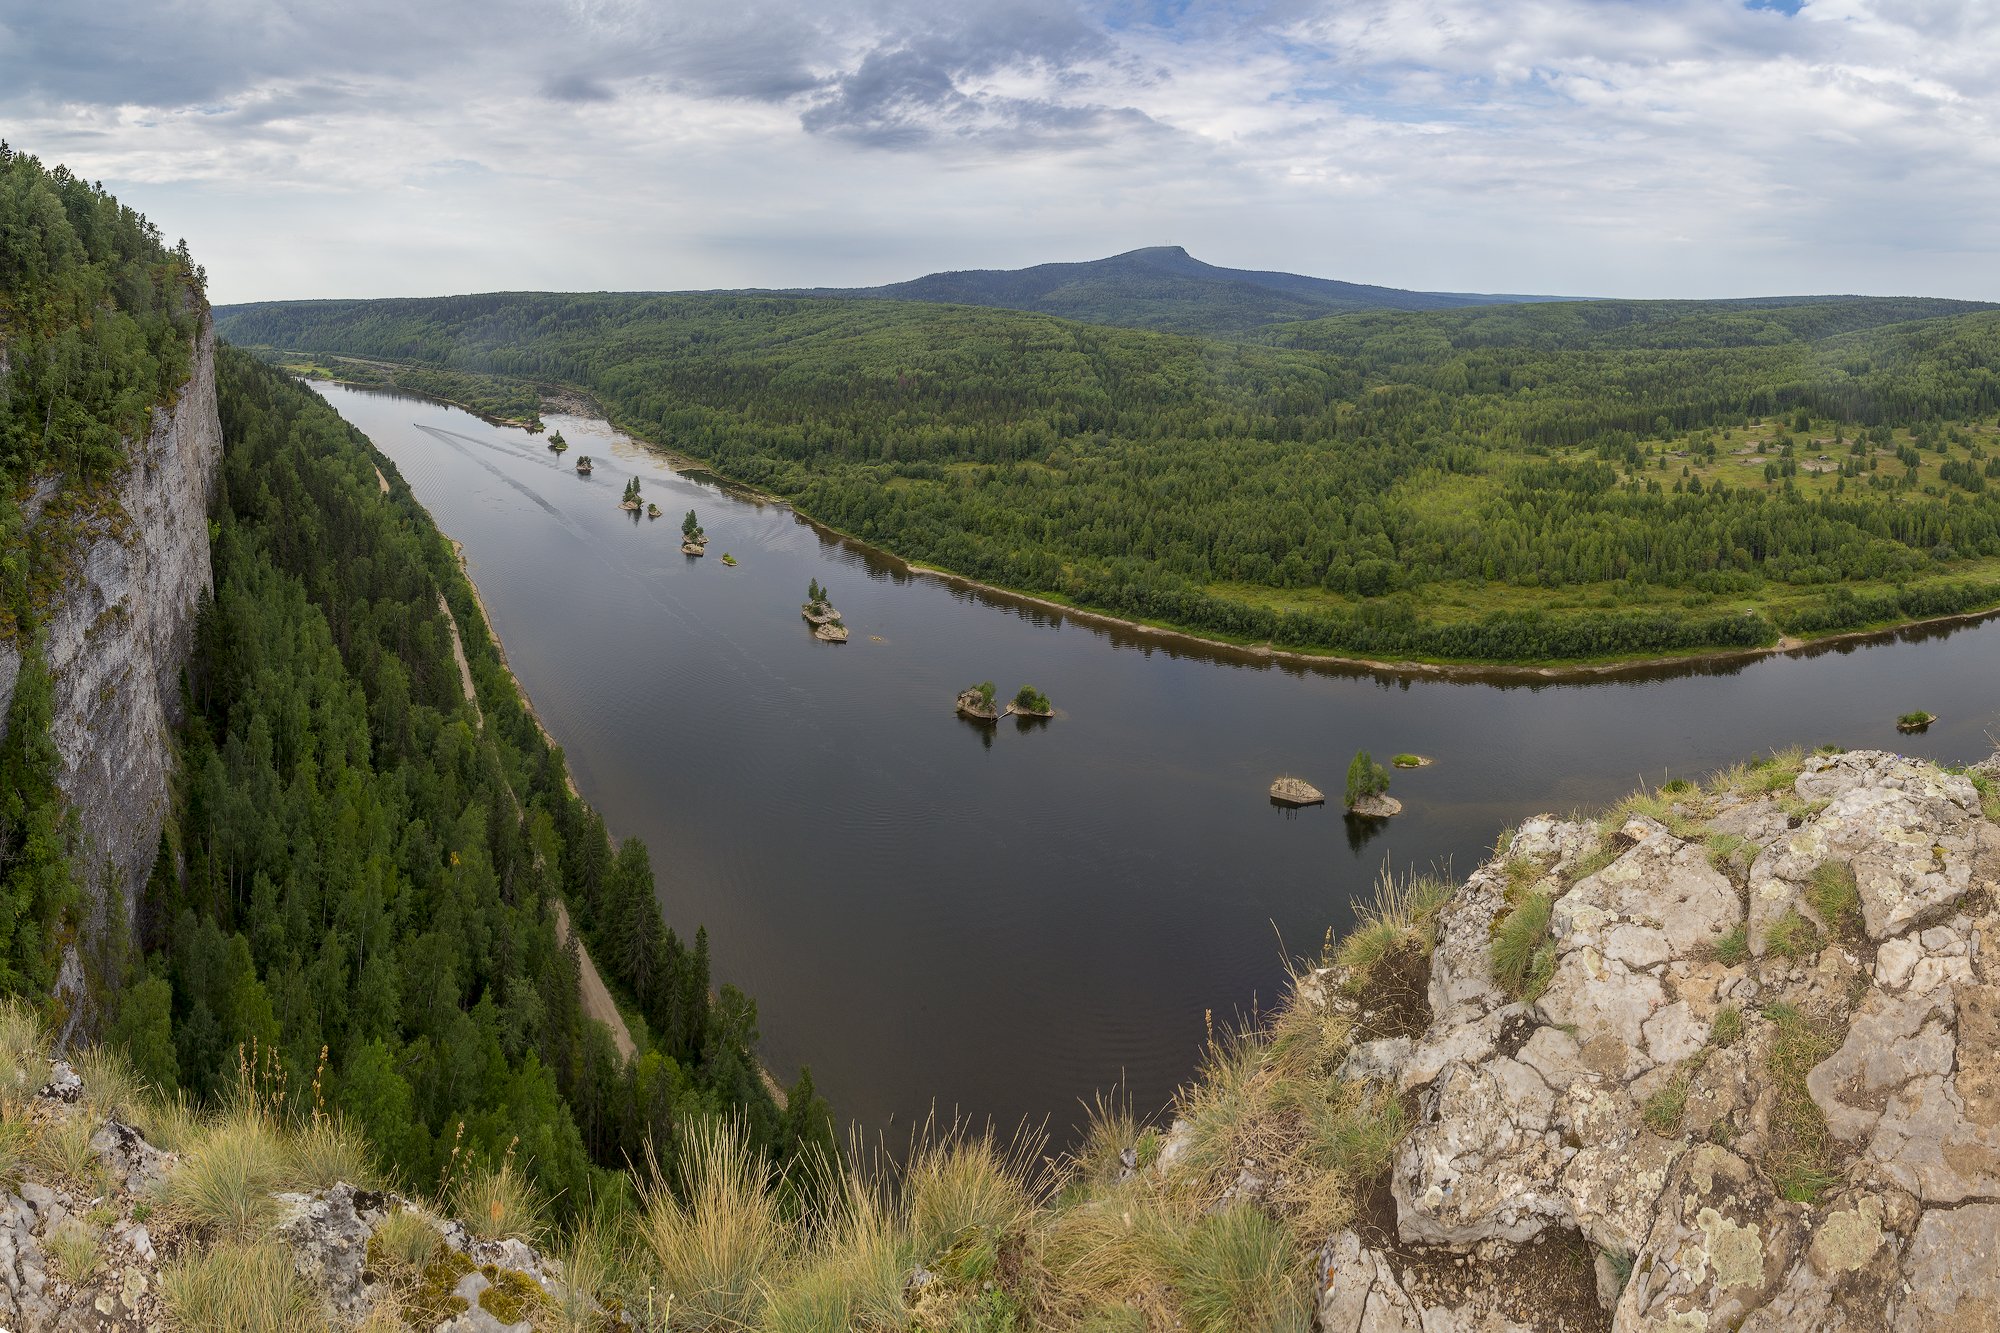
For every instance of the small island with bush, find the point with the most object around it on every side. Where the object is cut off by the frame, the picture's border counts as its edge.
(816, 608)
(558, 443)
(694, 541)
(1031, 702)
(631, 500)
(583, 465)
(977, 702)
(1368, 789)
(1911, 722)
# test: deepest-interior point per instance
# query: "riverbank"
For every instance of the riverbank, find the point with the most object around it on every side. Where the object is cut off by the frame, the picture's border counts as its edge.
(1174, 635)
(570, 399)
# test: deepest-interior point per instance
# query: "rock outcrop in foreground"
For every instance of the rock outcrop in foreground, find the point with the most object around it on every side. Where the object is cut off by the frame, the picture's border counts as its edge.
(95, 1235)
(1750, 1071)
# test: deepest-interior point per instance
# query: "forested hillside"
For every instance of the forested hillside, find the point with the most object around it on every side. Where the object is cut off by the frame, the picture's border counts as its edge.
(1161, 287)
(1515, 483)
(97, 315)
(361, 876)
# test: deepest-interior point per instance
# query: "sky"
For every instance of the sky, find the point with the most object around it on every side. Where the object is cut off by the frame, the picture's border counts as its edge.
(1648, 148)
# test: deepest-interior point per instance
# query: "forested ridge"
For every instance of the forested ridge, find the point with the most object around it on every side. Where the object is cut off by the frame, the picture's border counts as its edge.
(362, 868)
(354, 896)
(1511, 483)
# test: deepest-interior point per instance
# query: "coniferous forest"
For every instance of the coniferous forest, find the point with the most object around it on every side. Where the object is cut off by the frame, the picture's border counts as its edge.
(370, 864)
(1506, 483)
(357, 885)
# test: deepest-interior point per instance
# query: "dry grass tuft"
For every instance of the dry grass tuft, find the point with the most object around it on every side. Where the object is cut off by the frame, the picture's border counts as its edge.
(327, 1150)
(240, 1288)
(60, 1149)
(499, 1202)
(226, 1179)
(718, 1242)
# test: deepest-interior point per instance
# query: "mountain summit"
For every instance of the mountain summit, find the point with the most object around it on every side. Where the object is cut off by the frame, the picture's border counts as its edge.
(1164, 287)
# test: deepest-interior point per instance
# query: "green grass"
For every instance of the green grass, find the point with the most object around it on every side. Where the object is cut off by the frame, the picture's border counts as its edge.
(1524, 958)
(1834, 898)
(1792, 936)
(1727, 1028)
(1408, 761)
(1664, 1109)
(1802, 1157)
(1236, 1272)
(1733, 946)
(240, 1288)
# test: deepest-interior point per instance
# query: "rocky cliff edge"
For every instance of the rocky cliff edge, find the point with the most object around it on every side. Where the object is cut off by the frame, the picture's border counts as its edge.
(1739, 1053)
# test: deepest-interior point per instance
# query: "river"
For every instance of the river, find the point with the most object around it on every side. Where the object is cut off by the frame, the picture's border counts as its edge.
(1001, 922)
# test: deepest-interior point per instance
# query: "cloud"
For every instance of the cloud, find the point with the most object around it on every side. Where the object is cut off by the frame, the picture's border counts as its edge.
(1641, 146)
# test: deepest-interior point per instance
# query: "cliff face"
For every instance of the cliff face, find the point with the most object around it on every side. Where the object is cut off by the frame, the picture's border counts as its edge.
(121, 628)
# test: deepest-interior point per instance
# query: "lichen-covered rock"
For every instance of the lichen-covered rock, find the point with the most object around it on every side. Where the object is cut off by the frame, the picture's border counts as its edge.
(1482, 1162)
(1719, 1246)
(328, 1233)
(1637, 1104)
(1462, 985)
(1951, 1280)
(135, 1163)
(1615, 932)
(1359, 1292)
(1918, 1083)
(1913, 834)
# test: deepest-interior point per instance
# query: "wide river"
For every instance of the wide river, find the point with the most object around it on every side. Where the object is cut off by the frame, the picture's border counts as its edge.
(1000, 922)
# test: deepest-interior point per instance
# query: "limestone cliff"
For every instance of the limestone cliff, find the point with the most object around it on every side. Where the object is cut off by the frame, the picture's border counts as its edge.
(1752, 1067)
(134, 567)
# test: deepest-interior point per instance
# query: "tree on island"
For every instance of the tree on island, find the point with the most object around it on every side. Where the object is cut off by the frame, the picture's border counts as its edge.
(632, 491)
(987, 693)
(690, 526)
(1365, 778)
(557, 443)
(815, 595)
(1031, 700)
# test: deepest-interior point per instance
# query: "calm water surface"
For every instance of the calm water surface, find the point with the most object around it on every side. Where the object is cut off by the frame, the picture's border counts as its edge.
(1001, 921)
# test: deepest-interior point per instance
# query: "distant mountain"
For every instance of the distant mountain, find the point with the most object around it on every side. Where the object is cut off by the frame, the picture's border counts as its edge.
(1164, 287)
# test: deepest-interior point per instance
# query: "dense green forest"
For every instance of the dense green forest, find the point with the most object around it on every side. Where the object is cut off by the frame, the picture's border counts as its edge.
(362, 863)
(96, 314)
(1506, 483)
(356, 888)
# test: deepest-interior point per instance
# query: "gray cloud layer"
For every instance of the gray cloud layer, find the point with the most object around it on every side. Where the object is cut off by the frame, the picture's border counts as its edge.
(1645, 146)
